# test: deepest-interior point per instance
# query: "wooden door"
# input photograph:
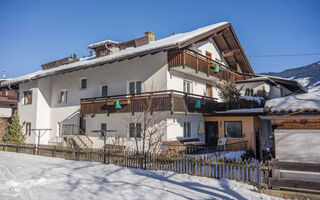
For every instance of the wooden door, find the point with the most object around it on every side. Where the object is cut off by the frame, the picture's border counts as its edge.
(211, 133)
(209, 90)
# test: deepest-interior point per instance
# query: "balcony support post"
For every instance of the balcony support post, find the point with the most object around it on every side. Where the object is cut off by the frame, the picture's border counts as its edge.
(186, 103)
(197, 63)
(132, 104)
(183, 58)
(171, 102)
(151, 104)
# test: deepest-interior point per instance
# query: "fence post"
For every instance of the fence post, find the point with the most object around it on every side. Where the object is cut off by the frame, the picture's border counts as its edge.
(18, 148)
(34, 150)
(145, 161)
(54, 151)
(4, 146)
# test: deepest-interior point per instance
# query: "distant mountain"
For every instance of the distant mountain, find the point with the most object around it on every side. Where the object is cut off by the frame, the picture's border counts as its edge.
(308, 76)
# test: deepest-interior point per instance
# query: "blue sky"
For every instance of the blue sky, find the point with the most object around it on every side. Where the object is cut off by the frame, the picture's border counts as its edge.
(36, 32)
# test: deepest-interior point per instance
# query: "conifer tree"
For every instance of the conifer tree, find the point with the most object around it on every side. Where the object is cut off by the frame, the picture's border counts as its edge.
(15, 133)
(229, 93)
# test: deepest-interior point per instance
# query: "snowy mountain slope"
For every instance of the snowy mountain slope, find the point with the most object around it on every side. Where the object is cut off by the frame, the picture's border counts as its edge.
(308, 76)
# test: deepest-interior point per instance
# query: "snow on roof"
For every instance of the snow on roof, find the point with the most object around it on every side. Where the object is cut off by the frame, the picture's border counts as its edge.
(307, 101)
(257, 79)
(251, 98)
(162, 44)
(249, 110)
(92, 46)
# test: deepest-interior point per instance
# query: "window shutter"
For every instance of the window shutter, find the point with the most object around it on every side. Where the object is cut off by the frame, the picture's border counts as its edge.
(138, 87)
(131, 87)
(131, 129)
(138, 130)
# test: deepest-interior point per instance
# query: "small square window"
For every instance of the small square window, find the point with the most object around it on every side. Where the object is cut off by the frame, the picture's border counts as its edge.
(187, 86)
(135, 130)
(28, 128)
(27, 97)
(83, 83)
(187, 129)
(63, 96)
(104, 91)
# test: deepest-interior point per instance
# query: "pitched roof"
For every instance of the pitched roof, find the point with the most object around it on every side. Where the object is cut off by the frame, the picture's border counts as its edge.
(300, 102)
(174, 41)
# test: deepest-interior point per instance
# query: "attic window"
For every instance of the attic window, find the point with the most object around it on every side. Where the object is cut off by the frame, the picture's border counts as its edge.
(27, 97)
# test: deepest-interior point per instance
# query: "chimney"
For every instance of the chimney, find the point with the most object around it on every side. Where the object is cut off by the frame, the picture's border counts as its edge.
(150, 35)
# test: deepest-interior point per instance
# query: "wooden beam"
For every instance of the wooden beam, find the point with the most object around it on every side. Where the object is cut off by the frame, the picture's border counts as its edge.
(229, 53)
(295, 166)
(298, 184)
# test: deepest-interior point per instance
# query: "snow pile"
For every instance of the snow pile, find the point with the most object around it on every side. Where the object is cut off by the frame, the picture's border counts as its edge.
(162, 44)
(303, 81)
(251, 98)
(249, 110)
(25, 176)
(308, 101)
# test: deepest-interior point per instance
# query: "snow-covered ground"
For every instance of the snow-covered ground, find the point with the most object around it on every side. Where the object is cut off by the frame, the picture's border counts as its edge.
(25, 176)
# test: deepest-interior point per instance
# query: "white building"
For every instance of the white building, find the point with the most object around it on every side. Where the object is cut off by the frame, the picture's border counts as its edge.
(181, 71)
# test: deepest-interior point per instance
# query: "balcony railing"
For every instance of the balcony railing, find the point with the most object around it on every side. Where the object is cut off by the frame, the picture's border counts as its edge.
(203, 64)
(169, 100)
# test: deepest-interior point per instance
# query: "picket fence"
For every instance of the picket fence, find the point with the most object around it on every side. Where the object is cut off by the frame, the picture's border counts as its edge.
(248, 171)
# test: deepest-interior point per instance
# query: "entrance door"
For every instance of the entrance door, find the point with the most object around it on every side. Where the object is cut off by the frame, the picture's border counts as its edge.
(211, 133)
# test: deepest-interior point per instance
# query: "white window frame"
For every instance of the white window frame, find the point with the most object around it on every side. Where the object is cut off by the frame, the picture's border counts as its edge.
(65, 99)
(190, 129)
(191, 86)
(135, 86)
(80, 83)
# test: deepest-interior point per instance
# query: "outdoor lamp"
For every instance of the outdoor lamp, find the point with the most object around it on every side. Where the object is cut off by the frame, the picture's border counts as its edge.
(217, 68)
(198, 103)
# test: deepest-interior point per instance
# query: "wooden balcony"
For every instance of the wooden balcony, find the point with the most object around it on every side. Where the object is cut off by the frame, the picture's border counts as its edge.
(172, 101)
(201, 63)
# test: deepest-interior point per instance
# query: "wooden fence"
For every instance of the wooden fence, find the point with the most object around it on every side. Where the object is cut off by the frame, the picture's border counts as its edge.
(208, 165)
(304, 176)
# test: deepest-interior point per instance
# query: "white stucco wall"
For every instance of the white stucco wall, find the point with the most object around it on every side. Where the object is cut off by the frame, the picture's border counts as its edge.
(5, 111)
(256, 86)
(152, 70)
(297, 145)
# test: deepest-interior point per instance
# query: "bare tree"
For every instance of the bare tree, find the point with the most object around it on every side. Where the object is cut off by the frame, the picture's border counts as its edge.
(148, 136)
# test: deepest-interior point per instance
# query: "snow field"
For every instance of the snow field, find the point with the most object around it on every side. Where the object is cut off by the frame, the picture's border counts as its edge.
(25, 176)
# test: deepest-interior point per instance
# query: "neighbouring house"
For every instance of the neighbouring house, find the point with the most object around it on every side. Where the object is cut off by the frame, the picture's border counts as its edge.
(269, 86)
(8, 104)
(179, 73)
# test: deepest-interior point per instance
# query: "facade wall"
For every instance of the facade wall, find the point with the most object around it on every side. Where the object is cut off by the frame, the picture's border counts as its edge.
(256, 86)
(249, 124)
(5, 111)
(297, 145)
(152, 70)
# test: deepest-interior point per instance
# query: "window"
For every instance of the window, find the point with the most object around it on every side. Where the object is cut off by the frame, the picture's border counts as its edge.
(135, 87)
(187, 86)
(104, 90)
(63, 96)
(233, 129)
(187, 129)
(28, 128)
(83, 83)
(135, 130)
(27, 97)
(103, 128)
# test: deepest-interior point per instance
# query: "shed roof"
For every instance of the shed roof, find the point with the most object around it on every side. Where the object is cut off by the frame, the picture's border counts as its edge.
(301, 102)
